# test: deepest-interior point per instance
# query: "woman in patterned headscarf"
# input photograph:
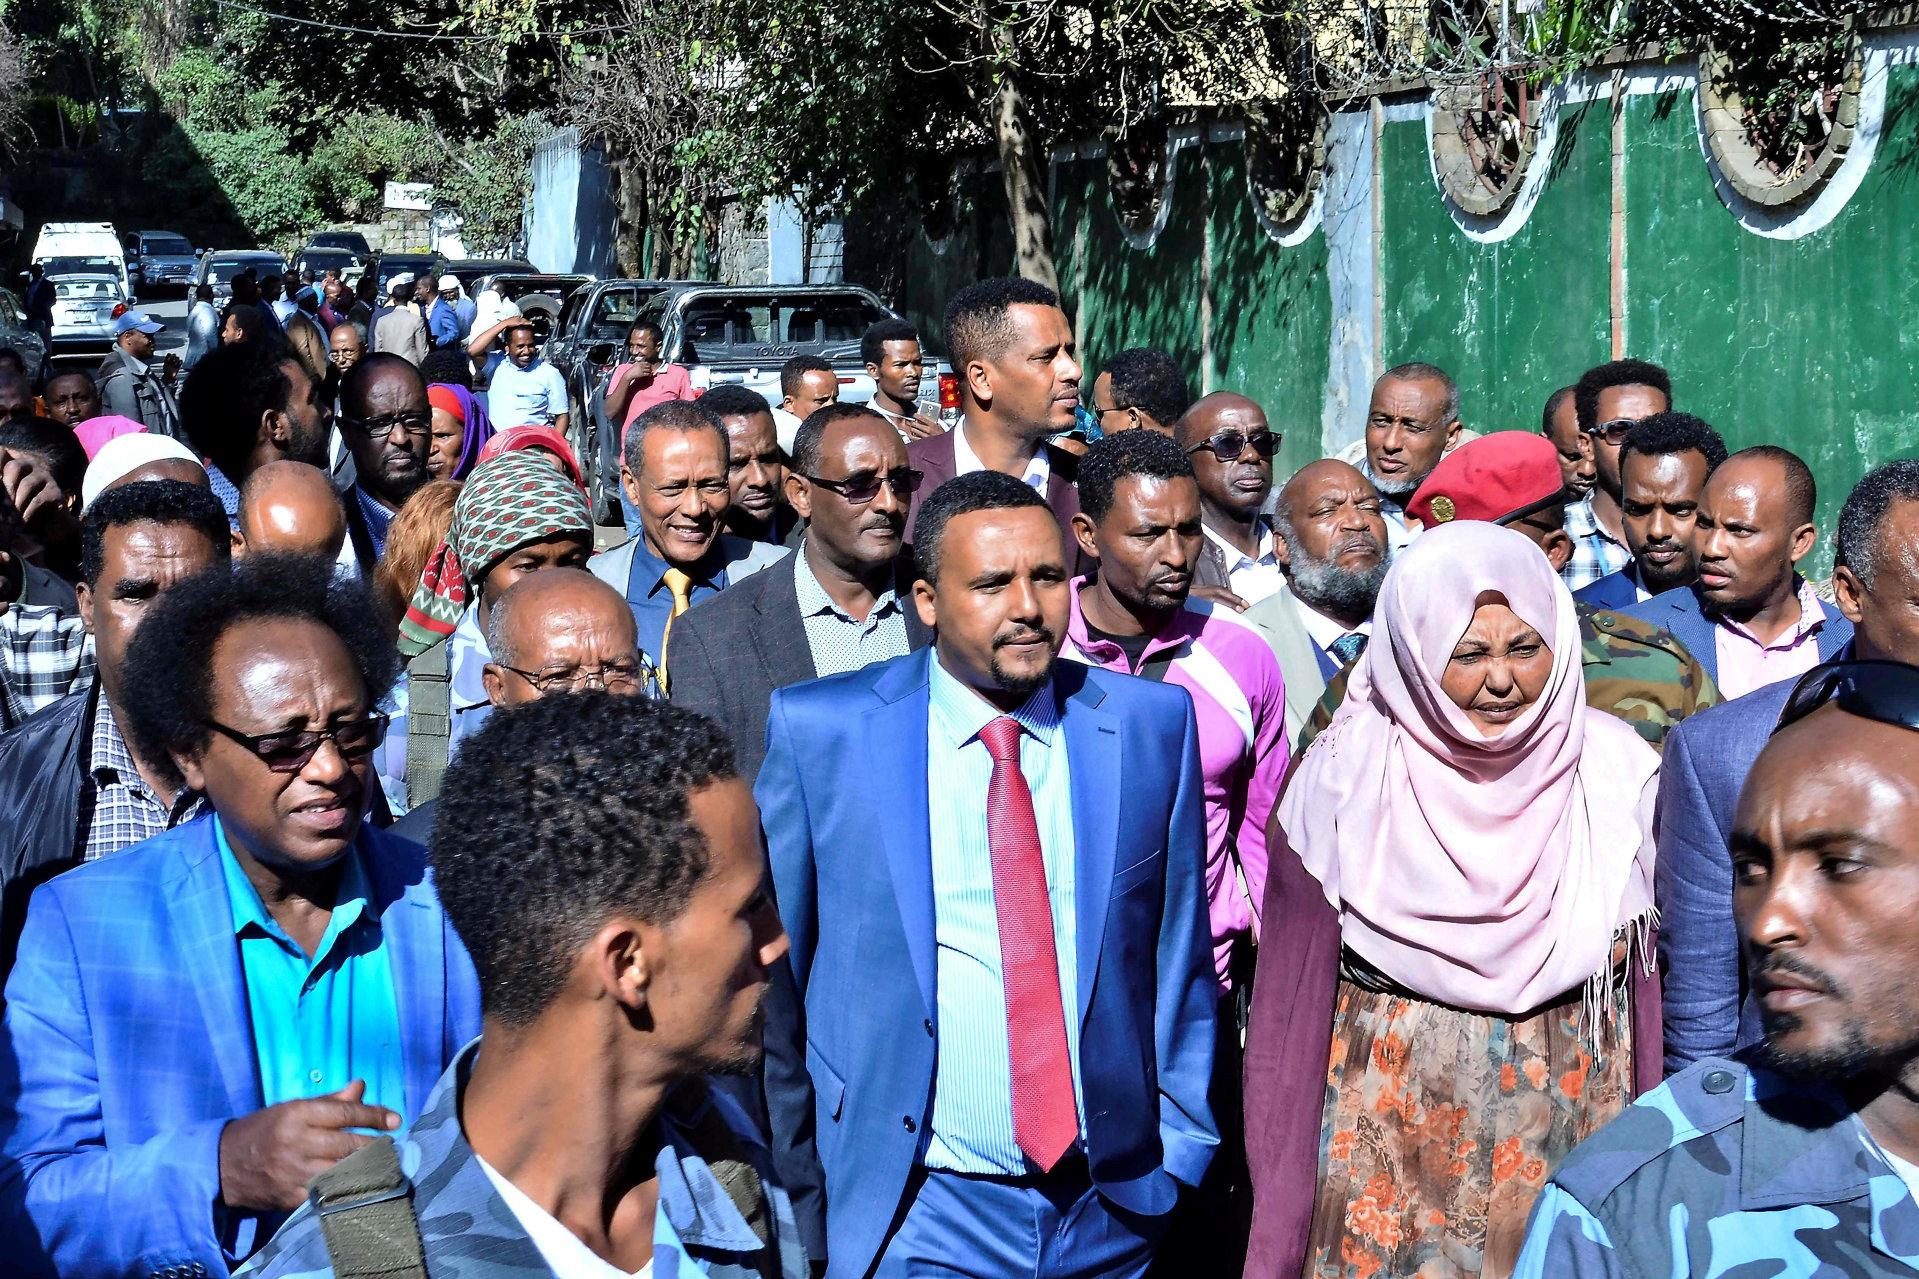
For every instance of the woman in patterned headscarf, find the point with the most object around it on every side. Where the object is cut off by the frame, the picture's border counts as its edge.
(518, 513)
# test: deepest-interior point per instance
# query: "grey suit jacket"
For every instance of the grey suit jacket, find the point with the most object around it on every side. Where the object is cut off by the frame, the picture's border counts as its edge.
(1277, 618)
(733, 649)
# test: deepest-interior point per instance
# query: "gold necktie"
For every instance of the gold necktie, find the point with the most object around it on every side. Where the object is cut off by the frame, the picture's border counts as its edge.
(682, 587)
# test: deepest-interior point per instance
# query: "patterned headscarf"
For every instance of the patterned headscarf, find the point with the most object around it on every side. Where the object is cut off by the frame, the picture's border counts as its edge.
(508, 501)
(459, 401)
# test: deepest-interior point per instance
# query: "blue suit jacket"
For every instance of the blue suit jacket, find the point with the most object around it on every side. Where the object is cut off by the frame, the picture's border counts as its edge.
(1678, 611)
(127, 1048)
(1616, 590)
(854, 879)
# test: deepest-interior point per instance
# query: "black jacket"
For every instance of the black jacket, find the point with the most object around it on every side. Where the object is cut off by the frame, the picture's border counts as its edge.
(43, 764)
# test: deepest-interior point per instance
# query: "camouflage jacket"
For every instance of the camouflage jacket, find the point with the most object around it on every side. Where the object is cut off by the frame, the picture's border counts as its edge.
(720, 1213)
(1730, 1170)
(1634, 670)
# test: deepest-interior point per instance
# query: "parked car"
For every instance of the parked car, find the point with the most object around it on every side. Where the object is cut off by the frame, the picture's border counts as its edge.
(470, 269)
(587, 339)
(84, 309)
(219, 268)
(320, 259)
(160, 259)
(352, 241)
(539, 297)
(413, 264)
(64, 248)
(15, 336)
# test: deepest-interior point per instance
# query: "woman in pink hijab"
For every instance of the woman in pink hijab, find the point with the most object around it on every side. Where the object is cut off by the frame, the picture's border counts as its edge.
(1462, 871)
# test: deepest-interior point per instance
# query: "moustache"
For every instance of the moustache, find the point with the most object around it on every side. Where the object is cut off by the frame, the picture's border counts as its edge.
(1784, 962)
(1023, 635)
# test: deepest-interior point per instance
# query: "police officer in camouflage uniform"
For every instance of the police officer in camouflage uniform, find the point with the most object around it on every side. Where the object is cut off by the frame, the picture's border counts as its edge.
(1799, 1157)
(1633, 669)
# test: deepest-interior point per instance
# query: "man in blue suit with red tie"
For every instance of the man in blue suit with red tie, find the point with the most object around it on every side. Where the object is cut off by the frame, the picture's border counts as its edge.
(1003, 955)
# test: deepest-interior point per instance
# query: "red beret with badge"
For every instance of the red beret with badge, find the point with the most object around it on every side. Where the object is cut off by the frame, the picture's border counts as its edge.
(1496, 478)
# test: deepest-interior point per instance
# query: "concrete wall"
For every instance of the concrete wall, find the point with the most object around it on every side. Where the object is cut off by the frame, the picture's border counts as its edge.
(1794, 328)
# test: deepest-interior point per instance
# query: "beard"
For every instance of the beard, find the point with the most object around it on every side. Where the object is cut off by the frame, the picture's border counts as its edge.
(1327, 587)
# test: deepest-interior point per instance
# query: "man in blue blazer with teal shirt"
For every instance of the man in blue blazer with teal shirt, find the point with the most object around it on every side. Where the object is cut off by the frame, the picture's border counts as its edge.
(199, 1024)
(1002, 955)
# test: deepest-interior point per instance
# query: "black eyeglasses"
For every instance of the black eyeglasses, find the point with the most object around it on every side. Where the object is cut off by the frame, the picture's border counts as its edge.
(614, 677)
(904, 482)
(288, 752)
(1099, 415)
(1615, 431)
(1227, 446)
(418, 425)
(1867, 687)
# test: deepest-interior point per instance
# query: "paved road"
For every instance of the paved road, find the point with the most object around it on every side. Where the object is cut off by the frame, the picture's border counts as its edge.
(169, 310)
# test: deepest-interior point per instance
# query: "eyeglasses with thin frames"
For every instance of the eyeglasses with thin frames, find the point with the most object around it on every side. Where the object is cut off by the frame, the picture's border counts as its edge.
(613, 677)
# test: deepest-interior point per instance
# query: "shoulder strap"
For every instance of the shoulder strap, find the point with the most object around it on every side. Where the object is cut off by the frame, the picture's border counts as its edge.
(365, 1207)
(429, 724)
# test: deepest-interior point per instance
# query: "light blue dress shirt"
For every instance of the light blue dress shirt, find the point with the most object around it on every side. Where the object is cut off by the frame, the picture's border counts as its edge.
(320, 1023)
(972, 1128)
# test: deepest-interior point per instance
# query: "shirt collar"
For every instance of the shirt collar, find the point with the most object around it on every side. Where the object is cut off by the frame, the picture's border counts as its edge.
(467, 656)
(1582, 522)
(108, 758)
(814, 600)
(1811, 618)
(352, 900)
(958, 713)
(1183, 626)
(1038, 473)
(1236, 558)
(651, 569)
(1323, 630)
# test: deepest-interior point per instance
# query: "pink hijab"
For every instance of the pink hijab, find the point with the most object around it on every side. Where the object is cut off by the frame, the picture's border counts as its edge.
(1486, 873)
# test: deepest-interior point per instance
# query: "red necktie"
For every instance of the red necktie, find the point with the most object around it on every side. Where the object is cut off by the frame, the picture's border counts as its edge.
(1045, 1120)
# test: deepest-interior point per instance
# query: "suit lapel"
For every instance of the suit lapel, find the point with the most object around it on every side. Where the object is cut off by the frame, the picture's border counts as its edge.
(416, 955)
(203, 923)
(781, 643)
(1093, 754)
(898, 731)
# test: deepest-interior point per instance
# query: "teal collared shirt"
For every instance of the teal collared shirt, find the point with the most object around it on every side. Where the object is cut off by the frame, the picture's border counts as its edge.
(319, 1023)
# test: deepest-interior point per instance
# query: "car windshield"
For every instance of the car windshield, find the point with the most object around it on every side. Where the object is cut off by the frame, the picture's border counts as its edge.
(88, 288)
(719, 327)
(340, 240)
(613, 311)
(80, 266)
(172, 245)
(223, 268)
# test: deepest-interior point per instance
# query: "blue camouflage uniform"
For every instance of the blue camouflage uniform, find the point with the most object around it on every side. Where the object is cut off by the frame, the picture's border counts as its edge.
(1725, 1170)
(469, 1233)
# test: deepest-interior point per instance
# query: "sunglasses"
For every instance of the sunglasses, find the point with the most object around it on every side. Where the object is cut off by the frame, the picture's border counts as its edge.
(289, 752)
(1227, 446)
(1869, 688)
(1615, 431)
(904, 482)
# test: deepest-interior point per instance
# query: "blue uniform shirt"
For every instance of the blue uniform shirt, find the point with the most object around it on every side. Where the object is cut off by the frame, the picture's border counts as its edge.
(319, 1023)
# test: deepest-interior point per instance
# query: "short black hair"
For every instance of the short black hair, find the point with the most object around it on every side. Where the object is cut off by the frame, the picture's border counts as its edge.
(167, 686)
(678, 415)
(1863, 516)
(149, 502)
(556, 816)
(10, 356)
(1148, 379)
(227, 393)
(57, 445)
(1553, 402)
(203, 293)
(873, 341)
(977, 316)
(448, 366)
(806, 441)
(1802, 492)
(798, 367)
(1419, 371)
(353, 387)
(1122, 455)
(1664, 434)
(252, 322)
(645, 325)
(1615, 373)
(730, 399)
(963, 495)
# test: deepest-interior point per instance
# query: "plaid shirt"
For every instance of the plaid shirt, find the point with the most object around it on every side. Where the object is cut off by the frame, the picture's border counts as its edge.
(1595, 552)
(124, 809)
(45, 653)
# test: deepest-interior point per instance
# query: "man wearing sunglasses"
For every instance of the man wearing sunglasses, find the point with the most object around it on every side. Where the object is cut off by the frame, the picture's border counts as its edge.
(1232, 449)
(841, 602)
(1801, 1157)
(388, 423)
(1142, 386)
(73, 788)
(1607, 402)
(1707, 1009)
(199, 1025)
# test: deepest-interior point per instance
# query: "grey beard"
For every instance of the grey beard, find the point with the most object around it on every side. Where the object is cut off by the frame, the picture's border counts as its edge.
(1332, 589)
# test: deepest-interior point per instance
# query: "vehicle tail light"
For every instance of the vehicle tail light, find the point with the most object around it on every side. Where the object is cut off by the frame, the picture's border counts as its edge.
(119, 309)
(845, 381)
(949, 390)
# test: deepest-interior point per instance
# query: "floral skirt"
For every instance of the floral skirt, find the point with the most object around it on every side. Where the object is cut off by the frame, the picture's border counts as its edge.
(1441, 1126)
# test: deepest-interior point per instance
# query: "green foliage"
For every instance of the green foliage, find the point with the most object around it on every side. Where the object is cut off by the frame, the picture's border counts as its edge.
(264, 182)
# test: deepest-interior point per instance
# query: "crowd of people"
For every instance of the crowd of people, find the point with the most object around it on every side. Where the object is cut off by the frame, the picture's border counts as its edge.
(1043, 843)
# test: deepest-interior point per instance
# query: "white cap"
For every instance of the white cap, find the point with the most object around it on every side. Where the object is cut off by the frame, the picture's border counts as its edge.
(125, 454)
(449, 282)
(395, 281)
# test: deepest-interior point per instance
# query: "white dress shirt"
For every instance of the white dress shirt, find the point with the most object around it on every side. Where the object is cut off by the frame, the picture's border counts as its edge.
(1249, 577)
(1038, 473)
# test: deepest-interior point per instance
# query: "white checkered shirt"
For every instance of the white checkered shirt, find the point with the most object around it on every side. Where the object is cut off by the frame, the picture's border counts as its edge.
(124, 808)
(839, 643)
(45, 653)
(1595, 553)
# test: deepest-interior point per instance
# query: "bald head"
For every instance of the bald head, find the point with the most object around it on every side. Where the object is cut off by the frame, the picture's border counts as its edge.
(1217, 412)
(562, 624)
(1232, 449)
(290, 506)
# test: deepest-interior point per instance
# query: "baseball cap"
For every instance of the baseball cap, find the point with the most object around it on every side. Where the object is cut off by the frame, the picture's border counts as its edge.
(1496, 478)
(131, 320)
(449, 282)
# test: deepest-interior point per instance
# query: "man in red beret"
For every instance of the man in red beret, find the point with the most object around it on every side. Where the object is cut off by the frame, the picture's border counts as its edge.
(1508, 477)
